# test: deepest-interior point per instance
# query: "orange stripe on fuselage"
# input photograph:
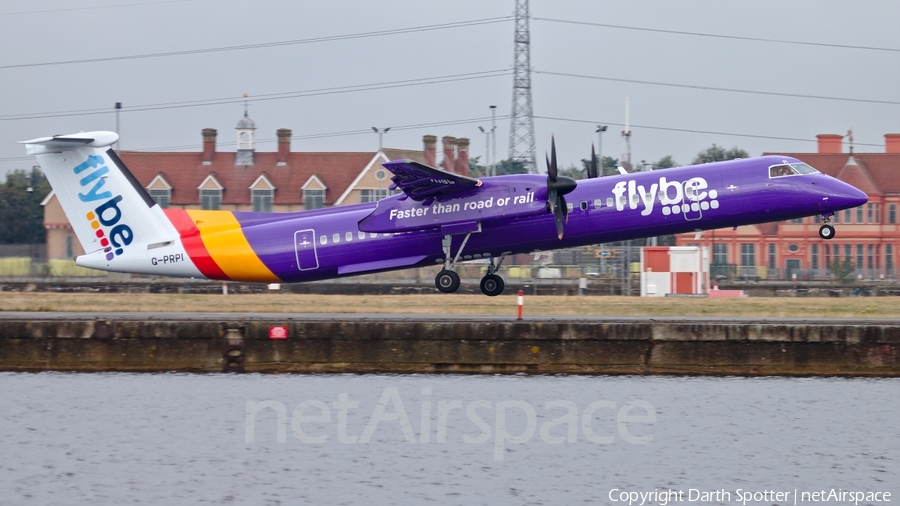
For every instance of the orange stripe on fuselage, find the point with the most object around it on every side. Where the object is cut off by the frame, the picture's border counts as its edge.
(222, 236)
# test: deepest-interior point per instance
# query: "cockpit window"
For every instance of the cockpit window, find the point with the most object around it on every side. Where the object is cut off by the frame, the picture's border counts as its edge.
(781, 171)
(790, 169)
(803, 168)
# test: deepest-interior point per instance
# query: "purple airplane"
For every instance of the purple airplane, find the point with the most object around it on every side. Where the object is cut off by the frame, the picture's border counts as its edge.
(439, 219)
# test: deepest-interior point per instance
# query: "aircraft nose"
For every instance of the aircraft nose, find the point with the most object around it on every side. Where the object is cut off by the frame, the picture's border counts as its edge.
(849, 196)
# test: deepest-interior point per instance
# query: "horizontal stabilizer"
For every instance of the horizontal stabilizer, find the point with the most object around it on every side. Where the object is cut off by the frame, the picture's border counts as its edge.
(59, 143)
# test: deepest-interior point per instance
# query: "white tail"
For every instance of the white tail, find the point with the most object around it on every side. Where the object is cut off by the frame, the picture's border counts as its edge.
(110, 212)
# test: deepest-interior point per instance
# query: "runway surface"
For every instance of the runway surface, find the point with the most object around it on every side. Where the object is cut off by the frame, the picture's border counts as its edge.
(410, 317)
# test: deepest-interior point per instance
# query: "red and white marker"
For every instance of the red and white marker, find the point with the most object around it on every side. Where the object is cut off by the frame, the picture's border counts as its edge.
(521, 301)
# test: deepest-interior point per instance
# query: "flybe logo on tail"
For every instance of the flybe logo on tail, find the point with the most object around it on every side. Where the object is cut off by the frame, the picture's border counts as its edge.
(105, 218)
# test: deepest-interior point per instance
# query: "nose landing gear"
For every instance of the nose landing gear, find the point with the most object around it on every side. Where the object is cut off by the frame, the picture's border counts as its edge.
(826, 231)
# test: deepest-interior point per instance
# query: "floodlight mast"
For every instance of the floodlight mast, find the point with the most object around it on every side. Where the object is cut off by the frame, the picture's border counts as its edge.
(380, 132)
(600, 130)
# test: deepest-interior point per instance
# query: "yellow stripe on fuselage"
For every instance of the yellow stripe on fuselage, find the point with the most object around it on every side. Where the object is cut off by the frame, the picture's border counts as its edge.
(222, 235)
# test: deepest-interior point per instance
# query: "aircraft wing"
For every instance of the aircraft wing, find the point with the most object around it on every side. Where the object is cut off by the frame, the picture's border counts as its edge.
(419, 181)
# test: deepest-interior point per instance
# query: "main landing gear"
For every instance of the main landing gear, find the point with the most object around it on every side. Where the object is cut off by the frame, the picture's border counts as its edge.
(492, 284)
(447, 280)
(826, 231)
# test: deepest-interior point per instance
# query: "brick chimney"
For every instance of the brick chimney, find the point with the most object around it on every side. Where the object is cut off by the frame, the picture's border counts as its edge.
(892, 143)
(830, 143)
(430, 141)
(284, 144)
(462, 156)
(449, 153)
(209, 145)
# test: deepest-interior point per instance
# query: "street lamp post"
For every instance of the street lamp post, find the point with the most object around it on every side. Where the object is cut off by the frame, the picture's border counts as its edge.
(493, 170)
(380, 132)
(487, 146)
(118, 108)
(600, 130)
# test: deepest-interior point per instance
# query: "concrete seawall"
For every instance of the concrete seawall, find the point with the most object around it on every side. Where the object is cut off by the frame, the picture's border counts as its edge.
(165, 343)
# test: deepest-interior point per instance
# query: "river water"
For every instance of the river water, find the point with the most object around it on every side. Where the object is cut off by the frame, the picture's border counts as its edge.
(116, 438)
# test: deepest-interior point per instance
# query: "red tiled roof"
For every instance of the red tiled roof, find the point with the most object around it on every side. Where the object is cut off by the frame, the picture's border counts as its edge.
(858, 176)
(185, 172)
(876, 173)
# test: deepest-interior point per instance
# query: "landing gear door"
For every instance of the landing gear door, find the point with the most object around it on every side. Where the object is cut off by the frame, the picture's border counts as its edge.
(305, 249)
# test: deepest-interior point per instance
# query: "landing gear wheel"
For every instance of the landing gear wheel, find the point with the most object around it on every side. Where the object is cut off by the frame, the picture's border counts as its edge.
(447, 281)
(492, 285)
(826, 232)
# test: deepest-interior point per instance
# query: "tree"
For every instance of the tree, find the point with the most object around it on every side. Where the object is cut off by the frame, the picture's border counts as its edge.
(666, 162)
(607, 168)
(716, 153)
(476, 170)
(510, 166)
(575, 172)
(842, 270)
(20, 207)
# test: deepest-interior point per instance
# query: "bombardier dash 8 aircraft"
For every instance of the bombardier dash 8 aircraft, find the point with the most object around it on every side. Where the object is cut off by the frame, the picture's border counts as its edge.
(440, 218)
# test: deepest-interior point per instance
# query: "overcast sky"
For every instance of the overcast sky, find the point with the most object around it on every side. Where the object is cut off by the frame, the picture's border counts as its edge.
(850, 60)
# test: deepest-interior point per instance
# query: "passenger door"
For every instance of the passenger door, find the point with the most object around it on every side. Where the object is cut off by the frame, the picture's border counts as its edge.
(305, 249)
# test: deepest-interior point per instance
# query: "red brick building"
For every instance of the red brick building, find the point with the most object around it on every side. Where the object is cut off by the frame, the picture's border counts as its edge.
(867, 235)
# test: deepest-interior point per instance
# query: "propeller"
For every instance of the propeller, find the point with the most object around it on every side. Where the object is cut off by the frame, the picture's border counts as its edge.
(592, 171)
(557, 186)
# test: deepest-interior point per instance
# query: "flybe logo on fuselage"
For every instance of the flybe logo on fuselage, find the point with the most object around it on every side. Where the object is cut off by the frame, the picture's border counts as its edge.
(673, 196)
(105, 218)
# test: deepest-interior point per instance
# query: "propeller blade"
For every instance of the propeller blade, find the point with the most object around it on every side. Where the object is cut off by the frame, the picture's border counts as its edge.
(557, 186)
(559, 222)
(553, 172)
(592, 168)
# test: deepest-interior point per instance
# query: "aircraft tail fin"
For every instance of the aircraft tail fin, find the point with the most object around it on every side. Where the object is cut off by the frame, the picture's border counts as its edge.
(110, 212)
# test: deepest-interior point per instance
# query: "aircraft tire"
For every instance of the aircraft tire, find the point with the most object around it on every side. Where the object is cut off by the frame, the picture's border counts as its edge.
(447, 281)
(826, 232)
(492, 285)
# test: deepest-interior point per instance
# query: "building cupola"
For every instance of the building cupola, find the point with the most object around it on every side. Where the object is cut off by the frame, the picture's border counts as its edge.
(246, 138)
